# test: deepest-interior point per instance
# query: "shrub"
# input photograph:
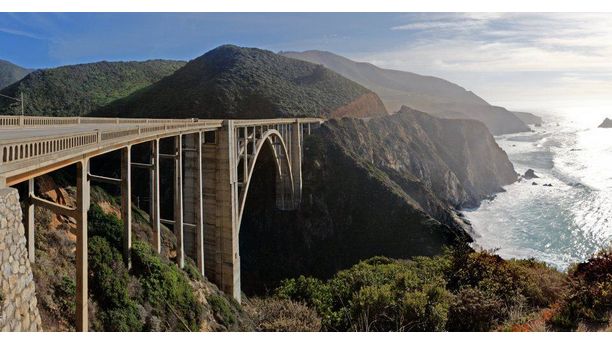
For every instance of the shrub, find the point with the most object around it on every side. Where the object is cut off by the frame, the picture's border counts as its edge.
(474, 310)
(104, 225)
(109, 286)
(590, 298)
(377, 294)
(282, 315)
(222, 310)
(166, 288)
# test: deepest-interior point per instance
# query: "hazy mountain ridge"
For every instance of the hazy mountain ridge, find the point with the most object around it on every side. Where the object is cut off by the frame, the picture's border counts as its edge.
(528, 118)
(10, 73)
(236, 82)
(425, 93)
(76, 90)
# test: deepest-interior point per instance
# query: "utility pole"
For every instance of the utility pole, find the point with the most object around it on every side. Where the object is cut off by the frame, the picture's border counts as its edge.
(20, 100)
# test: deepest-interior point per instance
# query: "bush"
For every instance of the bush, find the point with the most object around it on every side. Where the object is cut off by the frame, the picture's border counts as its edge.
(104, 225)
(282, 315)
(109, 286)
(166, 288)
(590, 298)
(378, 294)
(474, 310)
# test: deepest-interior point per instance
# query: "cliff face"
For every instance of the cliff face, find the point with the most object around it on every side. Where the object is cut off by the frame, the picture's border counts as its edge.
(384, 186)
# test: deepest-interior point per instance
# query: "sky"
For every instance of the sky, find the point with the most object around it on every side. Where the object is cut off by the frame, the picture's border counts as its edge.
(525, 61)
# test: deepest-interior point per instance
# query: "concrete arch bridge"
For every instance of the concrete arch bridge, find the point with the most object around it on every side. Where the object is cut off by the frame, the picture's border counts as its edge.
(213, 161)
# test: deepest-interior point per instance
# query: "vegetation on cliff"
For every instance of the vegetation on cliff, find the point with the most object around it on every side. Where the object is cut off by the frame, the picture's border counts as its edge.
(77, 90)
(460, 290)
(154, 295)
(237, 82)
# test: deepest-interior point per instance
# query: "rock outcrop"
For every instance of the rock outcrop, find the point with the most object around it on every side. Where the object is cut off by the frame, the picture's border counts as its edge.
(530, 174)
(607, 123)
(18, 304)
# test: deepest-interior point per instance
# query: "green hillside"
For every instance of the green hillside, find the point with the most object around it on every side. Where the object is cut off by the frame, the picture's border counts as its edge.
(9, 73)
(231, 81)
(78, 89)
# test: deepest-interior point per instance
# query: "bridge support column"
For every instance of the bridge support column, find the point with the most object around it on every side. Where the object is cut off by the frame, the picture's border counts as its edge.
(126, 201)
(80, 214)
(154, 197)
(29, 221)
(192, 197)
(178, 201)
(221, 250)
(296, 161)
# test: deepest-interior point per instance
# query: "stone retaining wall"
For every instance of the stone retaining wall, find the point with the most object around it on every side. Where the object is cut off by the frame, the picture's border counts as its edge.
(18, 307)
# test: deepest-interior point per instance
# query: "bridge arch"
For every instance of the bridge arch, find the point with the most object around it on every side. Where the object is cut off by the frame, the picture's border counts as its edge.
(285, 192)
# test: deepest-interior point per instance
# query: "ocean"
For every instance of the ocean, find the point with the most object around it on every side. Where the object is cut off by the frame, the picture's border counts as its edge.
(560, 224)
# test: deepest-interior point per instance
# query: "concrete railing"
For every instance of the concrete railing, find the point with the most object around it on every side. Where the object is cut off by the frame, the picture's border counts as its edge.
(27, 147)
(37, 121)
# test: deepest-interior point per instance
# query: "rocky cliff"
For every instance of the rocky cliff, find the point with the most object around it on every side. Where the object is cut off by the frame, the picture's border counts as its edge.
(385, 186)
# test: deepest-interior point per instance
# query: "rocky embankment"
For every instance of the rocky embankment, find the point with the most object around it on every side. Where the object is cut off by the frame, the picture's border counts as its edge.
(385, 186)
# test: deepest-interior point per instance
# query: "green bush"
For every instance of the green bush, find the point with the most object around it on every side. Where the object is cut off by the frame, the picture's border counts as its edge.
(474, 310)
(378, 294)
(104, 225)
(166, 288)
(109, 281)
(589, 300)
(222, 310)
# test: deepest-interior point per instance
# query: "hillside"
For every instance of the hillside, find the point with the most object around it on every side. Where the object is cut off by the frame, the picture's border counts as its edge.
(231, 81)
(528, 118)
(78, 89)
(425, 93)
(9, 73)
(386, 186)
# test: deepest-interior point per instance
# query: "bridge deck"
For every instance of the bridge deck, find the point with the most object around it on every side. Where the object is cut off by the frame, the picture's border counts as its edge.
(32, 145)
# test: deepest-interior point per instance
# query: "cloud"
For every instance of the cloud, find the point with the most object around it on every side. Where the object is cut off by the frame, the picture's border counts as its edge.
(21, 33)
(505, 56)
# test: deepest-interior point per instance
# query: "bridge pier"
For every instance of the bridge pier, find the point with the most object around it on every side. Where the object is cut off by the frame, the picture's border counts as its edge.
(192, 199)
(154, 214)
(29, 221)
(80, 215)
(222, 258)
(126, 202)
(178, 201)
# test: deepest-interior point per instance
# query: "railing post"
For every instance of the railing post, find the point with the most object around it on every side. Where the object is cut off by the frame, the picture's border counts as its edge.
(126, 202)
(82, 206)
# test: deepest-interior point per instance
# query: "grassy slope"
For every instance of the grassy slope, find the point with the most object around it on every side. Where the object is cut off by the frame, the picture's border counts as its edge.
(78, 89)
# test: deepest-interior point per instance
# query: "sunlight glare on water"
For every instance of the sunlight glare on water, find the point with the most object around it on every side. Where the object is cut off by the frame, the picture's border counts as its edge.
(569, 221)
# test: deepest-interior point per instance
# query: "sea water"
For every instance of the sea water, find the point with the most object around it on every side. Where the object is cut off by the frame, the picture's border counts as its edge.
(560, 224)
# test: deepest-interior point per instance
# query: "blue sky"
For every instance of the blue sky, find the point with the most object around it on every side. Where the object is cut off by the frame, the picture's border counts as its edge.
(517, 60)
